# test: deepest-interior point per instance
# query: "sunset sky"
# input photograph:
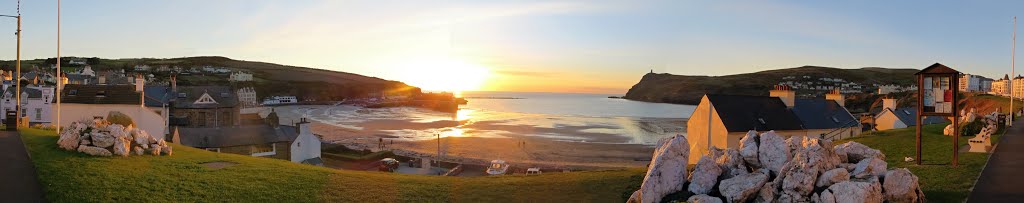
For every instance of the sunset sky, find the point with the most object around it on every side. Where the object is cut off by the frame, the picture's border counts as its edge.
(539, 46)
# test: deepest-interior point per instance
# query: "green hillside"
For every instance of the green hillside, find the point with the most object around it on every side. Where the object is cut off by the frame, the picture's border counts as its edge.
(683, 89)
(75, 177)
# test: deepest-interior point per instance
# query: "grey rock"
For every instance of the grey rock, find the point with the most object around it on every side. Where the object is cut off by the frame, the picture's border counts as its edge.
(705, 175)
(102, 139)
(667, 171)
(742, 188)
(853, 152)
(832, 177)
(870, 167)
(95, 151)
(772, 151)
(748, 149)
(901, 186)
(702, 198)
(853, 191)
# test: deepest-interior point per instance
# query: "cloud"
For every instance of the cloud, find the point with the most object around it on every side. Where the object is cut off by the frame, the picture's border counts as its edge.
(521, 73)
(808, 22)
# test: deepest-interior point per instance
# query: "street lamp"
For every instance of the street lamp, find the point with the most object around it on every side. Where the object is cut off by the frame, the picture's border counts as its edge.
(17, 65)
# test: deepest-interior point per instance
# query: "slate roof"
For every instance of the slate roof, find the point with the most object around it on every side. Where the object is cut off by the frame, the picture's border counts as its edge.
(937, 68)
(823, 114)
(236, 136)
(157, 96)
(908, 115)
(743, 113)
(88, 94)
(224, 96)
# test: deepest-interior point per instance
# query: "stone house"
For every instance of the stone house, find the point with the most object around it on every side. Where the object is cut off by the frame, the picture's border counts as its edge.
(721, 120)
(205, 106)
(293, 143)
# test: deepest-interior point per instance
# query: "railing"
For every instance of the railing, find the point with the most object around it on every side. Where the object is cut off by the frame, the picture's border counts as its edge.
(839, 131)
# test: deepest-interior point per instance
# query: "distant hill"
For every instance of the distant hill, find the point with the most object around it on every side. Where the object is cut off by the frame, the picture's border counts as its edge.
(270, 79)
(682, 89)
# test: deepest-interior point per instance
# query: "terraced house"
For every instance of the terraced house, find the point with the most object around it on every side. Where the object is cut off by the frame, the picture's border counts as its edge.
(721, 120)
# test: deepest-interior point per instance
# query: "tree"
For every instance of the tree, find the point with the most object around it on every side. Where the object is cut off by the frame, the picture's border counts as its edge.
(93, 61)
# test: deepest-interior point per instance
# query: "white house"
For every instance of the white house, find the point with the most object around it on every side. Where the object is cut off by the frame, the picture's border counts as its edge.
(275, 100)
(80, 102)
(306, 147)
(87, 71)
(240, 77)
(78, 62)
(891, 117)
(142, 68)
(721, 120)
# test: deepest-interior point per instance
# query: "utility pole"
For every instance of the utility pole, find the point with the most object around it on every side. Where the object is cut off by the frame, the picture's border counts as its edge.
(1013, 69)
(17, 65)
(60, 75)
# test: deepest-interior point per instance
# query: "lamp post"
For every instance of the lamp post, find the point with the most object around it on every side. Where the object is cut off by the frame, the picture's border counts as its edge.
(60, 77)
(17, 65)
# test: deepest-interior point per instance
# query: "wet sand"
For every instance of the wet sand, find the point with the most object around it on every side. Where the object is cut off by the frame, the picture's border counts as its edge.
(578, 147)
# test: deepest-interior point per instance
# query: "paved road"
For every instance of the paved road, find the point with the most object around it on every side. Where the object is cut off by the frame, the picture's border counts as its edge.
(18, 180)
(1002, 179)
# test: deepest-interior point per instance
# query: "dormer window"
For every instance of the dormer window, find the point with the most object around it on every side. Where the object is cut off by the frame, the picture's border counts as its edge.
(834, 119)
(761, 120)
(906, 112)
(101, 93)
(205, 99)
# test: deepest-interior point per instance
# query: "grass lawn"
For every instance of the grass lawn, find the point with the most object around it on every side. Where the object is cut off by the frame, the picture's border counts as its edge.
(940, 181)
(75, 177)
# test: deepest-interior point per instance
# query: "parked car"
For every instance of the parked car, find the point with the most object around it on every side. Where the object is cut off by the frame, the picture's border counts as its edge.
(388, 164)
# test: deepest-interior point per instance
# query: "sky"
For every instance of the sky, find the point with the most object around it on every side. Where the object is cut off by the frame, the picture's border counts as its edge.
(536, 46)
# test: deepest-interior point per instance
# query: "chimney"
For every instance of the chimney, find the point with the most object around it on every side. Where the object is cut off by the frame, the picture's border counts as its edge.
(303, 126)
(889, 103)
(785, 93)
(836, 95)
(140, 83)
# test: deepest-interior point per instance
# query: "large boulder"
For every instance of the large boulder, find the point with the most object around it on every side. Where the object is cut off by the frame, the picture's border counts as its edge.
(102, 139)
(70, 138)
(667, 171)
(748, 149)
(95, 151)
(116, 117)
(141, 137)
(852, 192)
(832, 177)
(154, 150)
(870, 167)
(705, 176)
(901, 186)
(772, 151)
(742, 188)
(853, 152)
(798, 184)
(818, 154)
(702, 198)
(732, 164)
(122, 146)
(117, 131)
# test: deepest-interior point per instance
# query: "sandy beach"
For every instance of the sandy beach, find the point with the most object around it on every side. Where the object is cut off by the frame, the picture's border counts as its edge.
(521, 139)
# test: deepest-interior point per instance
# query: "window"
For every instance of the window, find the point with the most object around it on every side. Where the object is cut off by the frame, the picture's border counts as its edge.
(101, 93)
(182, 95)
(761, 120)
(72, 92)
(39, 114)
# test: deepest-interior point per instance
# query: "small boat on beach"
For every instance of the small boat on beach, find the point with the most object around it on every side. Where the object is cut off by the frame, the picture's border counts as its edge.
(497, 167)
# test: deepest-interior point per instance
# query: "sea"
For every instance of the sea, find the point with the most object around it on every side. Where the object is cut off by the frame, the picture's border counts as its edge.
(569, 117)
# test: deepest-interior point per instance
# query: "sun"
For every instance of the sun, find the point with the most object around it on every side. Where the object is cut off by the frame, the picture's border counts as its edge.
(445, 74)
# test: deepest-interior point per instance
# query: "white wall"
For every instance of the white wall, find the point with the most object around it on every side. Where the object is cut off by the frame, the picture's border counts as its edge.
(306, 146)
(887, 120)
(145, 118)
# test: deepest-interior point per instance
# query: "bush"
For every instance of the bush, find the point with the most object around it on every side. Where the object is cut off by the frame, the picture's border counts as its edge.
(971, 128)
(116, 117)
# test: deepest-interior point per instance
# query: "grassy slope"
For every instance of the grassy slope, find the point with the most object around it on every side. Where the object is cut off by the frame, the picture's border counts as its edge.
(940, 181)
(74, 177)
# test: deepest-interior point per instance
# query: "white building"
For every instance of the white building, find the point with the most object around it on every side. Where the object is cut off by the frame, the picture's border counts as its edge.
(306, 147)
(240, 77)
(78, 62)
(143, 68)
(80, 102)
(280, 100)
(892, 117)
(1001, 86)
(247, 97)
(87, 71)
(973, 83)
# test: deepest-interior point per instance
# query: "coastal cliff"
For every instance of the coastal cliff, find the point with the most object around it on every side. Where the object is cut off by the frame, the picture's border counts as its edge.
(683, 89)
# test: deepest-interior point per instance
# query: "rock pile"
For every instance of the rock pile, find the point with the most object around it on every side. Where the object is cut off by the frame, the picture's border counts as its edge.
(768, 168)
(100, 138)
